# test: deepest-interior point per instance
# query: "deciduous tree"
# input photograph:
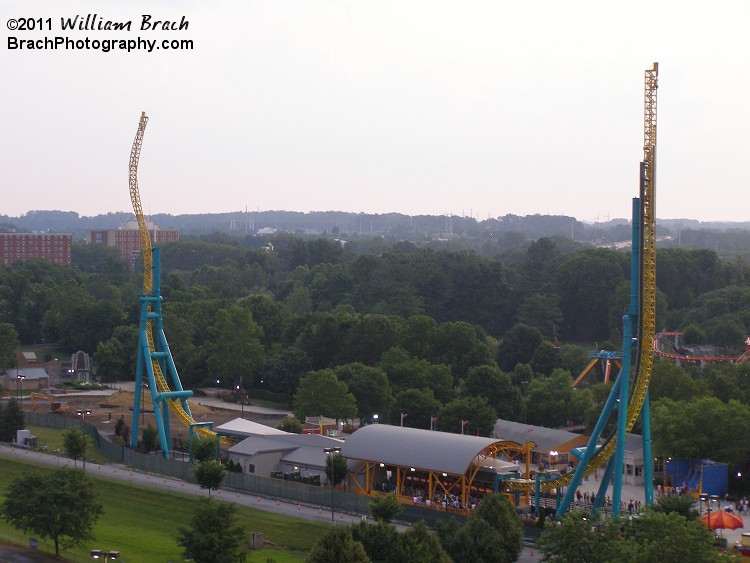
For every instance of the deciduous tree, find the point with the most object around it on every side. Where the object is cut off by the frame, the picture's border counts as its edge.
(235, 350)
(215, 534)
(149, 438)
(385, 508)
(209, 474)
(370, 388)
(492, 532)
(700, 429)
(419, 404)
(11, 421)
(337, 545)
(336, 468)
(203, 448)
(497, 388)
(283, 368)
(480, 417)
(320, 393)
(517, 346)
(8, 345)
(653, 536)
(74, 443)
(552, 401)
(60, 506)
(683, 505)
(579, 537)
(290, 424)
(419, 544)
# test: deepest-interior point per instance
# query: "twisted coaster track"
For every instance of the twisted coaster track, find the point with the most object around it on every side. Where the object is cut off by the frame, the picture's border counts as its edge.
(153, 351)
(646, 306)
(682, 355)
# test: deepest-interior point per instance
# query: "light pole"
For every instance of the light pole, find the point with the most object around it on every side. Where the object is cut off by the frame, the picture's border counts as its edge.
(702, 498)
(83, 414)
(217, 388)
(330, 452)
(107, 555)
(19, 384)
(242, 405)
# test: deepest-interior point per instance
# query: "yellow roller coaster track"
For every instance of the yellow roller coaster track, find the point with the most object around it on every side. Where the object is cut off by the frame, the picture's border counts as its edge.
(148, 277)
(647, 313)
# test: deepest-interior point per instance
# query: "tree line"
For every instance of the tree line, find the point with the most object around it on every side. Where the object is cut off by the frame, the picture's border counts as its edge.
(386, 327)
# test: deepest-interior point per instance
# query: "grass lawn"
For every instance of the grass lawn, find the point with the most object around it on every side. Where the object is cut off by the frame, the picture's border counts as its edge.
(142, 523)
(52, 440)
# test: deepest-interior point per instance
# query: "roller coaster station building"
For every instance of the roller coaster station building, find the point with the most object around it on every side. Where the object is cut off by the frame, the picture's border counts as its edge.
(436, 469)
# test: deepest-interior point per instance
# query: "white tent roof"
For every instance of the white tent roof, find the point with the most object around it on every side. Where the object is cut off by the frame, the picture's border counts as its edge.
(242, 427)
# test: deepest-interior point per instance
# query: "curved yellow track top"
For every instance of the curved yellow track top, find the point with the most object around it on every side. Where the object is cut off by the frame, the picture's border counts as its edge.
(148, 276)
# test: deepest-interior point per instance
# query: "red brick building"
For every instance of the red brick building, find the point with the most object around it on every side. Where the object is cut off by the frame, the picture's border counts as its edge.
(52, 247)
(128, 238)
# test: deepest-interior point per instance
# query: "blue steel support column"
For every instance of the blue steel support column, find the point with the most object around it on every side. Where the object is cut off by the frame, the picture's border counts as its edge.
(622, 414)
(630, 322)
(157, 406)
(648, 458)
(142, 360)
(158, 361)
(621, 388)
(603, 487)
(167, 431)
(137, 398)
(635, 266)
(591, 448)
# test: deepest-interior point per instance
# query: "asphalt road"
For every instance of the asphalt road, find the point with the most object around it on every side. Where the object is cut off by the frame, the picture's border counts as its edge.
(126, 474)
(122, 473)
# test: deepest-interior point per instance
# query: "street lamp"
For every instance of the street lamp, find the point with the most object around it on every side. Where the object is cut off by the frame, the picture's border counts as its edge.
(331, 452)
(19, 383)
(107, 555)
(83, 414)
(242, 404)
(702, 498)
(217, 388)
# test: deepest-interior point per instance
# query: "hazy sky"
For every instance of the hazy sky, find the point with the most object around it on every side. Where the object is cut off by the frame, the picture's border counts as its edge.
(486, 107)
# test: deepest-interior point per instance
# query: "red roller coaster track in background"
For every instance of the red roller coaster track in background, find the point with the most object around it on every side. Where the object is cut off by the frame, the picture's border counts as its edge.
(696, 358)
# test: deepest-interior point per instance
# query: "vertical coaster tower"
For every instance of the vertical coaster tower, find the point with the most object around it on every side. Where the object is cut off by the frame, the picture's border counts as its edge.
(154, 357)
(628, 400)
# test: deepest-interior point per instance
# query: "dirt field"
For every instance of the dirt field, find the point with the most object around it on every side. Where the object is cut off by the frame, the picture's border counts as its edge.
(107, 409)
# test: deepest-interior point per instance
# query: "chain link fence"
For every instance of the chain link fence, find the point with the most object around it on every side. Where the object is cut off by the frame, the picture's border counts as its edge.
(293, 491)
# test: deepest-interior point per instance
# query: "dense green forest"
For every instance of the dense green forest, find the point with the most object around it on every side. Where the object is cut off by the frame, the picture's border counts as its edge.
(387, 327)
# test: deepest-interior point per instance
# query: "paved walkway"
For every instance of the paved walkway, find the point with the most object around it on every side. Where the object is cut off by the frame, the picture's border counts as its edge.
(122, 473)
(632, 492)
(320, 513)
(17, 554)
